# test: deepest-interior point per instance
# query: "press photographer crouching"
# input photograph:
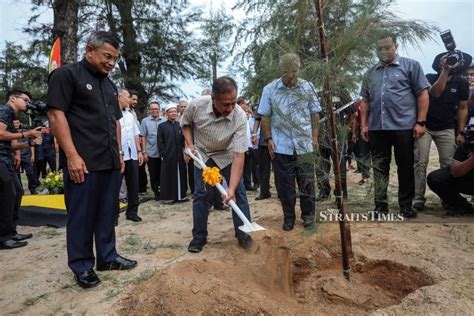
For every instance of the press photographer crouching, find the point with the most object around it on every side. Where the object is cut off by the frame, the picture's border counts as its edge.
(448, 183)
(11, 191)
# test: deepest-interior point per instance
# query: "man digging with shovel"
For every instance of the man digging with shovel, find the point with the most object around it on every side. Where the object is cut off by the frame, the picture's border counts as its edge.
(220, 131)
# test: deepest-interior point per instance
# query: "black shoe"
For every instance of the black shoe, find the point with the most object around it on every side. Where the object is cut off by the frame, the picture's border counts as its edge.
(379, 211)
(87, 279)
(134, 218)
(287, 226)
(251, 188)
(12, 244)
(263, 197)
(157, 196)
(322, 197)
(196, 245)
(119, 263)
(245, 241)
(309, 223)
(418, 206)
(408, 212)
(20, 237)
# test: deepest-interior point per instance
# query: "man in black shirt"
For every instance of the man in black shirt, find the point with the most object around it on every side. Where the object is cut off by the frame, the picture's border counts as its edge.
(84, 113)
(458, 178)
(445, 121)
(11, 191)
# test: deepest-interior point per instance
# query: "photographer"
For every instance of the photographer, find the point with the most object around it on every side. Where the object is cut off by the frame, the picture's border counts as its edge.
(27, 159)
(458, 178)
(10, 187)
(446, 119)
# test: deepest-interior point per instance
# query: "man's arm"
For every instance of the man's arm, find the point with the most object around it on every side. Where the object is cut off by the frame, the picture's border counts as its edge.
(460, 169)
(256, 125)
(8, 136)
(315, 129)
(438, 87)
(462, 120)
(138, 144)
(118, 128)
(422, 101)
(267, 133)
(76, 166)
(364, 119)
(188, 137)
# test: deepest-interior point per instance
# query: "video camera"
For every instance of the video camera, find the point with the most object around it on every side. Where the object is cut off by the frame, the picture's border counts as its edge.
(37, 108)
(454, 56)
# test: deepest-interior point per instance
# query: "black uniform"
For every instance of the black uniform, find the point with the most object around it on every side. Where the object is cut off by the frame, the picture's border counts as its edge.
(89, 101)
(11, 191)
(173, 172)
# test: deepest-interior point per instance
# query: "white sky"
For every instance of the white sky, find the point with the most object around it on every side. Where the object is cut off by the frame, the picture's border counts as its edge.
(457, 15)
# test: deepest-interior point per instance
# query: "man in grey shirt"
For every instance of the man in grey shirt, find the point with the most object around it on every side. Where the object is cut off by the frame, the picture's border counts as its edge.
(149, 129)
(393, 113)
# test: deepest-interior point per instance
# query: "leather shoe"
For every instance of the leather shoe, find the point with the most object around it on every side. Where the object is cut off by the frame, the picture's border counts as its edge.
(287, 226)
(418, 206)
(119, 263)
(408, 212)
(196, 245)
(245, 241)
(87, 279)
(20, 237)
(309, 223)
(134, 218)
(263, 197)
(379, 211)
(12, 244)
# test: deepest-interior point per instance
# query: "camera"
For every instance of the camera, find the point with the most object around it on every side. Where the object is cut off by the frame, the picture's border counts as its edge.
(454, 56)
(38, 108)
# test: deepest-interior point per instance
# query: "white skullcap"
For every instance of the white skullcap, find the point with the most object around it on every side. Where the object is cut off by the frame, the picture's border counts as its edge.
(171, 106)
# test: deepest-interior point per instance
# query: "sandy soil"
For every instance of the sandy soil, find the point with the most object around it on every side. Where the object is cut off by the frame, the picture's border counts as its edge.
(414, 267)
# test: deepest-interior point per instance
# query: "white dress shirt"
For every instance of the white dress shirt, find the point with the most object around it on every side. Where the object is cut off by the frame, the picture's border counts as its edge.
(129, 129)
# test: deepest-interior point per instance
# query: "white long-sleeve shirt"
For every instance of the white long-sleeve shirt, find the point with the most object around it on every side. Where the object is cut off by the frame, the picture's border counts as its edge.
(130, 130)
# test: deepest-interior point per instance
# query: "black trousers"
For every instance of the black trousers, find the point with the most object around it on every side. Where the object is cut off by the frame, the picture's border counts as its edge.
(131, 179)
(448, 188)
(50, 159)
(264, 163)
(154, 169)
(362, 154)
(251, 168)
(290, 170)
(381, 143)
(11, 193)
(29, 169)
(91, 208)
(142, 179)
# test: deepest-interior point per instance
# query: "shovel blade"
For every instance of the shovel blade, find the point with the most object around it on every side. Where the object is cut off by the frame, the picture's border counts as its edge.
(253, 227)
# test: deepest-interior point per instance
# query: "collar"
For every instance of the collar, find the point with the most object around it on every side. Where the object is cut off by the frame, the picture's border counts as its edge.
(92, 70)
(210, 110)
(395, 62)
(281, 85)
(155, 119)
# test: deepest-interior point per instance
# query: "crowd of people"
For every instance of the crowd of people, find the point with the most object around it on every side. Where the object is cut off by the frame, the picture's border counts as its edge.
(107, 154)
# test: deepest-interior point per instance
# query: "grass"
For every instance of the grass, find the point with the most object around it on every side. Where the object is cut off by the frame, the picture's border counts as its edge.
(144, 276)
(34, 300)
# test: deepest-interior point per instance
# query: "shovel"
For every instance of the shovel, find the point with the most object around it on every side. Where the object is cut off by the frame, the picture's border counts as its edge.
(248, 226)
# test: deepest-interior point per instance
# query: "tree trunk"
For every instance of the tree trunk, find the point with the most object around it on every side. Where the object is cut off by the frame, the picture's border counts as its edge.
(65, 25)
(214, 66)
(130, 52)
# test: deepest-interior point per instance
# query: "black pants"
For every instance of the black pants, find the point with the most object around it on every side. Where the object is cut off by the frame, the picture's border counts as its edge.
(288, 170)
(50, 159)
(91, 207)
(131, 179)
(264, 163)
(362, 154)
(381, 143)
(154, 169)
(251, 168)
(10, 200)
(142, 179)
(29, 169)
(448, 188)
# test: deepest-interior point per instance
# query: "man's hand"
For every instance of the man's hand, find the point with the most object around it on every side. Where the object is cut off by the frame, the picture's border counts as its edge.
(418, 131)
(271, 148)
(38, 140)
(35, 132)
(77, 168)
(460, 139)
(230, 196)
(122, 164)
(145, 157)
(17, 161)
(364, 133)
(140, 159)
(254, 140)
(32, 159)
(193, 150)
(187, 159)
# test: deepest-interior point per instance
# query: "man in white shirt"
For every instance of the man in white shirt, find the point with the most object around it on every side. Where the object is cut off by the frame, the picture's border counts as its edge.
(132, 154)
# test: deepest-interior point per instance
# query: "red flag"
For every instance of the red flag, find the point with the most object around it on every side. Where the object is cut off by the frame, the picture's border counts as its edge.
(55, 55)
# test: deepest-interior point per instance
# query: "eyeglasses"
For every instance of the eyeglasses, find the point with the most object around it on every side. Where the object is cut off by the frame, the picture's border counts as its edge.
(108, 57)
(27, 100)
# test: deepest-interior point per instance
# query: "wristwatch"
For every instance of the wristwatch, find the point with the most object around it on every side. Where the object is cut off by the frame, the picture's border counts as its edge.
(421, 123)
(120, 152)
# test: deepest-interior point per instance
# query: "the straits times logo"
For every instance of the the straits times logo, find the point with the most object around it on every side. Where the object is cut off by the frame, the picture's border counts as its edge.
(333, 215)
